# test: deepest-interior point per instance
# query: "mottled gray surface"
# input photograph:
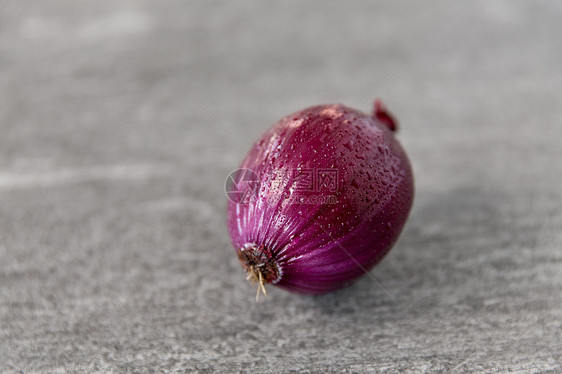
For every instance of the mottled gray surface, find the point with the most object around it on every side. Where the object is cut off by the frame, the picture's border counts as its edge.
(113, 245)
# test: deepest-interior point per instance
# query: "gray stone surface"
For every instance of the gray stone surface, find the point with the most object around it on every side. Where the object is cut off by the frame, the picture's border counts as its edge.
(113, 245)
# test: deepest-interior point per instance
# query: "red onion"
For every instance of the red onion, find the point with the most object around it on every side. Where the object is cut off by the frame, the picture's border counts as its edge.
(320, 199)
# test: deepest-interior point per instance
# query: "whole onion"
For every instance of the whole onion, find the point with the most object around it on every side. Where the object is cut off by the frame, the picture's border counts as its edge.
(320, 199)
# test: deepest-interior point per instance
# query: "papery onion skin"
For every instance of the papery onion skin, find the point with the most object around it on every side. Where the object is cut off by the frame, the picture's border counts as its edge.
(320, 239)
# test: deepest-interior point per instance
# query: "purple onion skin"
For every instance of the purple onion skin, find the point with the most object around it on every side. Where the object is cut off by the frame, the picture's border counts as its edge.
(314, 248)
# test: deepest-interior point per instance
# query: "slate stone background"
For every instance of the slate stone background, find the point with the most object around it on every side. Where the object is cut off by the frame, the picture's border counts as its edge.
(119, 122)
